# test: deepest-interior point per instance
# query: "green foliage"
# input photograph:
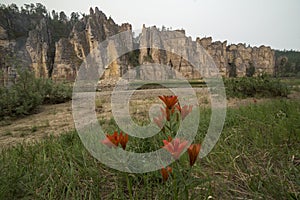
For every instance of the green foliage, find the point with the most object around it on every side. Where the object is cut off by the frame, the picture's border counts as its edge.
(22, 97)
(61, 28)
(289, 65)
(28, 92)
(19, 21)
(256, 157)
(255, 154)
(133, 57)
(56, 92)
(261, 86)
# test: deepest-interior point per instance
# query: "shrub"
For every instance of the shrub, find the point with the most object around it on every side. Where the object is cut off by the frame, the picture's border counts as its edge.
(261, 86)
(21, 97)
(56, 92)
(28, 92)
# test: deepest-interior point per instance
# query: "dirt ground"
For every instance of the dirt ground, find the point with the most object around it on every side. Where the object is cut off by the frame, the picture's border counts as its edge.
(57, 119)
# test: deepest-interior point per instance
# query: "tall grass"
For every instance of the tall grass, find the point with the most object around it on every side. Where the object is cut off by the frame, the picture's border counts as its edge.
(257, 157)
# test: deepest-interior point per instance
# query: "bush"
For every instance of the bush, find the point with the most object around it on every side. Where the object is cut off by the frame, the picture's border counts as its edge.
(28, 92)
(261, 86)
(21, 97)
(56, 92)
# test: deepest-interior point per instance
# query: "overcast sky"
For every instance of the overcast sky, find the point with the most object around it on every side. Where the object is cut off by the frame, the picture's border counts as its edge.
(274, 23)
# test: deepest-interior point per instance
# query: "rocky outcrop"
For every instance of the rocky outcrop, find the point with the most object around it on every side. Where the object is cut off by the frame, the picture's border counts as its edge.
(3, 34)
(158, 47)
(248, 61)
(66, 60)
(217, 50)
(37, 45)
(60, 58)
(4, 42)
(23, 41)
(13, 54)
(84, 38)
(232, 60)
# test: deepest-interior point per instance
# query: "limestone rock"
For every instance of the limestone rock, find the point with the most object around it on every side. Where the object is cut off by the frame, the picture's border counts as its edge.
(3, 34)
(37, 46)
(66, 61)
(84, 39)
(160, 47)
(233, 60)
(205, 42)
(61, 59)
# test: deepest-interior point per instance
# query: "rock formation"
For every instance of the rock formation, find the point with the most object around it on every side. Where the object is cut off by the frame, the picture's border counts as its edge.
(84, 38)
(232, 60)
(60, 58)
(37, 45)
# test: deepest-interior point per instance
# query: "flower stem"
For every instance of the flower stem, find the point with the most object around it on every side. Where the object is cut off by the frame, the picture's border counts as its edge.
(171, 126)
(186, 190)
(129, 187)
(175, 188)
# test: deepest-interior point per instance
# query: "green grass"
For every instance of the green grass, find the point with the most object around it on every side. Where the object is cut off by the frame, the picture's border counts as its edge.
(294, 83)
(291, 81)
(166, 83)
(256, 157)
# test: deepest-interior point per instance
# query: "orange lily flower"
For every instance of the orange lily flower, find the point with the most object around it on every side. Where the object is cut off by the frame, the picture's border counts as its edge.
(167, 113)
(193, 152)
(165, 172)
(185, 110)
(169, 101)
(175, 147)
(123, 140)
(111, 140)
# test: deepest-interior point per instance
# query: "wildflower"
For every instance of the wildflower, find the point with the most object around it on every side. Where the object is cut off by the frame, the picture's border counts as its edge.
(111, 140)
(123, 139)
(159, 121)
(165, 172)
(115, 139)
(169, 139)
(169, 101)
(185, 110)
(175, 146)
(167, 113)
(193, 152)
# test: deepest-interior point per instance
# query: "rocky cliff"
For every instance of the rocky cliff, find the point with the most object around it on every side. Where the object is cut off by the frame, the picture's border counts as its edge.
(40, 49)
(86, 36)
(239, 60)
(232, 60)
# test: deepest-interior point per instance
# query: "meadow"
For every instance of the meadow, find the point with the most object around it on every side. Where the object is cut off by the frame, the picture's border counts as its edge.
(256, 157)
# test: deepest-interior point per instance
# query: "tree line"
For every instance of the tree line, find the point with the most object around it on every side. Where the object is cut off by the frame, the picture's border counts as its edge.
(287, 63)
(17, 21)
